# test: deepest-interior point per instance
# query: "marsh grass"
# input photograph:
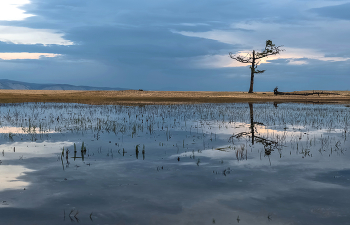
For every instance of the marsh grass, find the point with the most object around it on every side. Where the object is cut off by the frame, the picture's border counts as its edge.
(288, 125)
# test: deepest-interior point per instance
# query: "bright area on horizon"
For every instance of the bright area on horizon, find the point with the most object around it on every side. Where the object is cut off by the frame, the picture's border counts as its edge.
(175, 45)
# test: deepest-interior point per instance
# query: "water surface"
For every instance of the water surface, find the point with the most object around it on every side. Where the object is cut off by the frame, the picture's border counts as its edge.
(177, 164)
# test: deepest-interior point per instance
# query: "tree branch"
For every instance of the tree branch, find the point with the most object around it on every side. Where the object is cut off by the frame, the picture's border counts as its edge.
(242, 59)
(256, 71)
(270, 49)
(259, 71)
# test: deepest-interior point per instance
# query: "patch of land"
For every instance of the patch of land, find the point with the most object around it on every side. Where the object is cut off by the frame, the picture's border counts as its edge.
(167, 97)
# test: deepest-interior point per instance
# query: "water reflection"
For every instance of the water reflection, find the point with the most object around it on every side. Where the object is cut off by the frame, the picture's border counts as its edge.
(269, 144)
(17, 154)
(181, 164)
(19, 130)
(10, 177)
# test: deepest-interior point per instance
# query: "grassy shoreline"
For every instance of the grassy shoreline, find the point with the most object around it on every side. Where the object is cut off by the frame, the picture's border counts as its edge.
(166, 97)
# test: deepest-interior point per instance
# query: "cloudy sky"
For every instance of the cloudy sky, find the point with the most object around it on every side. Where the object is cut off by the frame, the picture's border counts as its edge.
(175, 44)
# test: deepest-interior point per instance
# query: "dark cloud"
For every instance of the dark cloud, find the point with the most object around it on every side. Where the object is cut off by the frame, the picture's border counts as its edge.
(10, 47)
(142, 13)
(337, 12)
(109, 42)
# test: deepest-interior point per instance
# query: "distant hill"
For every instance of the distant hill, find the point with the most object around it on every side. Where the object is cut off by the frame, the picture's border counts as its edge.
(17, 85)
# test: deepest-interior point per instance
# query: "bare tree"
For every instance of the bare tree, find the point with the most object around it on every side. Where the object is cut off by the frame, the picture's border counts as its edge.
(254, 59)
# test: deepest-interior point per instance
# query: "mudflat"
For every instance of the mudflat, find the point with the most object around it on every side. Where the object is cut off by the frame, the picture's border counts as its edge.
(169, 97)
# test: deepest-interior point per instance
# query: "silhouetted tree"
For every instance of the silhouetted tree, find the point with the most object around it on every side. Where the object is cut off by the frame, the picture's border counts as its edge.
(253, 58)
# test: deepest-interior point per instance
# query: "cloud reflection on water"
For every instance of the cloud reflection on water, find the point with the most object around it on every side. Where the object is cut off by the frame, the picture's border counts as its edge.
(9, 178)
(22, 130)
(208, 182)
(18, 153)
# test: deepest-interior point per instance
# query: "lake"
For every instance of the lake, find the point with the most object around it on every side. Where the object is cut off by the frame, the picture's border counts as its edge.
(174, 164)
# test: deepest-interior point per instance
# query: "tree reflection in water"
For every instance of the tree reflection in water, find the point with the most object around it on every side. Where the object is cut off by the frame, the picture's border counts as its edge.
(269, 145)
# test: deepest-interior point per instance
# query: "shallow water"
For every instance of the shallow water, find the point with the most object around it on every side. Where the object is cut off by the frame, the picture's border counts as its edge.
(180, 164)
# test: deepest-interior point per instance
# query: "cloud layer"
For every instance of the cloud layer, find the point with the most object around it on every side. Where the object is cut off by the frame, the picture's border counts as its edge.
(175, 45)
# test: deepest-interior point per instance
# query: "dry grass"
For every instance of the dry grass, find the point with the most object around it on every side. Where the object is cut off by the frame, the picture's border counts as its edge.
(163, 97)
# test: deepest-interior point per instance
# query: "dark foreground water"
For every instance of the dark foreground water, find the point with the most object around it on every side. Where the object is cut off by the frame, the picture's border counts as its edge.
(182, 164)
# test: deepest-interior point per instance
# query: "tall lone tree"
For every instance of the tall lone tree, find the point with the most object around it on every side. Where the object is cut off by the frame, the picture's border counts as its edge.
(254, 57)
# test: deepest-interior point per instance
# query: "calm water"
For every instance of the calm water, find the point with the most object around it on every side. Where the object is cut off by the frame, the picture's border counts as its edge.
(181, 164)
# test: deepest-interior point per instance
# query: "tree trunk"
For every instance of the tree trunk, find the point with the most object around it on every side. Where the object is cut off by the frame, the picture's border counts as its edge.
(252, 74)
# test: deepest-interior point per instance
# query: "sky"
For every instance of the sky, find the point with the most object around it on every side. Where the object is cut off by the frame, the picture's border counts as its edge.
(176, 44)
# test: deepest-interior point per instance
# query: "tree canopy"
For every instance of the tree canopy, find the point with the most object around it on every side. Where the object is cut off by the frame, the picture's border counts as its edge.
(253, 58)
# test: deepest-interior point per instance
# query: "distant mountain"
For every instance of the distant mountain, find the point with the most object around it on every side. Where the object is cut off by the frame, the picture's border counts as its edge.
(17, 85)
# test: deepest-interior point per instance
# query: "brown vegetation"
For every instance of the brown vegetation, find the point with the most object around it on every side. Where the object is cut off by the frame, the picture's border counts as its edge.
(165, 97)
